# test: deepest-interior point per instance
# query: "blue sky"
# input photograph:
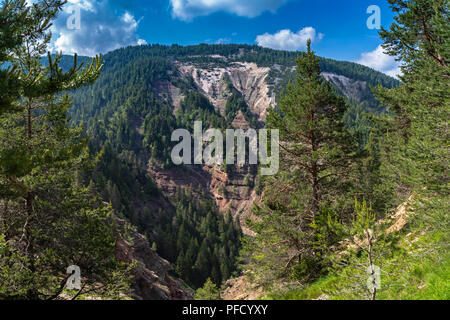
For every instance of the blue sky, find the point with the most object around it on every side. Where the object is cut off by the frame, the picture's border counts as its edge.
(338, 28)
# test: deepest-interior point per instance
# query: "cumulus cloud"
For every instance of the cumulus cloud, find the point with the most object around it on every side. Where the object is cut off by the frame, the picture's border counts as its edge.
(101, 29)
(288, 40)
(380, 61)
(188, 9)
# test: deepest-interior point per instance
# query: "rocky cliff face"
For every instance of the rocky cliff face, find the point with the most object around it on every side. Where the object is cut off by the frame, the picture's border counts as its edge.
(247, 78)
(151, 274)
(349, 87)
(232, 193)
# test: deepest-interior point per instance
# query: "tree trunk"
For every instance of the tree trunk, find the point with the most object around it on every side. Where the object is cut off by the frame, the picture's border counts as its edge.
(374, 280)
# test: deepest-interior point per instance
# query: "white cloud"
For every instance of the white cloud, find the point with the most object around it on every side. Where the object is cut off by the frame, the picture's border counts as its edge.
(188, 9)
(102, 29)
(380, 61)
(288, 40)
(223, 40)
(141, 42)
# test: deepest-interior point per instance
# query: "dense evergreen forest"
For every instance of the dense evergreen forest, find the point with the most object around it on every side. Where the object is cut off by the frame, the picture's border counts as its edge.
(124, 117)
(81, 138)
(132, 127)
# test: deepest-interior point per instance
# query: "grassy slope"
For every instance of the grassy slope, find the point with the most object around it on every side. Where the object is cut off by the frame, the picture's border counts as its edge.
(421, 272)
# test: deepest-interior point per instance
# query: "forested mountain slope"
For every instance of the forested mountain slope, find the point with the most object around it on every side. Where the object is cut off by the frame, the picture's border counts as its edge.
(94, 207)
(146, 92)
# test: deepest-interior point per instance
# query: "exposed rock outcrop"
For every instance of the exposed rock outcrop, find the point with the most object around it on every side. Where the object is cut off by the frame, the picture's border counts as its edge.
(350, 88)
(152, 281)
(241, 289)
(232, 194)
(247, 78)
(399, 219)
(240, 122)
(165, 90)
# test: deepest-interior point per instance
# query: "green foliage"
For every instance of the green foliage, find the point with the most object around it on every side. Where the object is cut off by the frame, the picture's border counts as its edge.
(417, 145)
(196, 107)
(202, 242)
(47, 175)
(50, 220)
(410, 274)
(132, 126)
(317, 154)
(21, 24)
(236, 103)
(208, 292)
(366, 239)
(410, 151)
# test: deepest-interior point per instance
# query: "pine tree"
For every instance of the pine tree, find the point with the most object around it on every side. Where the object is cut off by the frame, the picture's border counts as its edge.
(317, 156)
(416, 148)
(208, 292)
(20, 23)
(50, 219)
